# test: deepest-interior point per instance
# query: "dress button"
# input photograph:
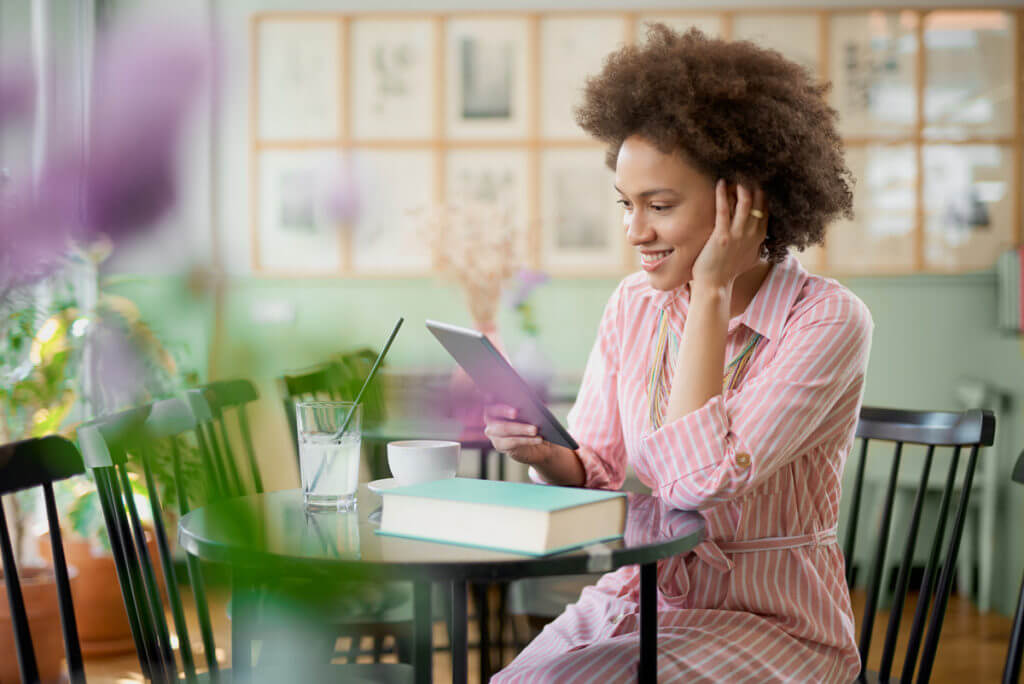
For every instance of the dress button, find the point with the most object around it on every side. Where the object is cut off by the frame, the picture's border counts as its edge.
(743, 460)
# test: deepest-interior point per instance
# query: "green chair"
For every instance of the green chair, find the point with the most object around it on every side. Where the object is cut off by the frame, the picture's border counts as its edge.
(106, 444)
(223, 398)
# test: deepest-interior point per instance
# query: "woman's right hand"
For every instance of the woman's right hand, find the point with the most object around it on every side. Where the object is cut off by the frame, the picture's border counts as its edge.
(515, 438)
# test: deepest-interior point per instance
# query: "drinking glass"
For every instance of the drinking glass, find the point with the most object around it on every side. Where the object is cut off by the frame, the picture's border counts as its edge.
(328, 462)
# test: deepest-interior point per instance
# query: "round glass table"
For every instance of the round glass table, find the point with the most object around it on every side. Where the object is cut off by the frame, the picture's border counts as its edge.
(270, 536)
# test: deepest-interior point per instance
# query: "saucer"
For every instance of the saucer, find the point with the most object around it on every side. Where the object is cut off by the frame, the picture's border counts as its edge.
(378, 486)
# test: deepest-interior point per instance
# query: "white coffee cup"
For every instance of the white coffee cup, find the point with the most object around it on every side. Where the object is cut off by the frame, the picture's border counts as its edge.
(422, 460)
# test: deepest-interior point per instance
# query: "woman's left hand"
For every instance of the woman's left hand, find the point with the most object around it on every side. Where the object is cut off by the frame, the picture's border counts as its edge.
(735, 243)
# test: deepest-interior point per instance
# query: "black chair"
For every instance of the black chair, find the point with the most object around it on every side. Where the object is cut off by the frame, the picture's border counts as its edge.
(325, 382)
(1011, 671)
(39, 463)
(224, 397)
(931, 429)
(106, 444)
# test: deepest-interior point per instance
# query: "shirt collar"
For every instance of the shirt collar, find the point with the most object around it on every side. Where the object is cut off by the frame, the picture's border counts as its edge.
(768, 310)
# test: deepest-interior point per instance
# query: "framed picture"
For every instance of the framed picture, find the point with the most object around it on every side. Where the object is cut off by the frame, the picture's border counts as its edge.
(709, 24)
(393, 78)
(572, 48)
(881, 238)
(968, 205)
(581, 225)
(495, 177)
(873, 69)
(794, 35)
(400, 185)
(969, 59)
(487, 78)
(292, 231)
(298, 79)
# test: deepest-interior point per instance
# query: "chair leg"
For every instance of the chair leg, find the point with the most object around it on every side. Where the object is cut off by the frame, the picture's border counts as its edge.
(966, 558)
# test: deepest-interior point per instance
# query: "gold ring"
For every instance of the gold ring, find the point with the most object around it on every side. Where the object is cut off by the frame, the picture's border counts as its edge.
(757, 213)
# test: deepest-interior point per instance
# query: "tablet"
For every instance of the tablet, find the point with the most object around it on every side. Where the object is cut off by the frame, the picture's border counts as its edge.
(494, 376)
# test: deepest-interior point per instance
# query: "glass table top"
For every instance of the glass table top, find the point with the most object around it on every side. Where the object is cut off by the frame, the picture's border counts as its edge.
(274, 532)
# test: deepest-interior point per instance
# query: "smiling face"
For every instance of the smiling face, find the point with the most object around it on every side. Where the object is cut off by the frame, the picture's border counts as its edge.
(669, 210)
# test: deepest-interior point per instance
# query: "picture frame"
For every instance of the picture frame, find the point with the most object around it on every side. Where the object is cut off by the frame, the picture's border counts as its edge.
(488, 78)
(299, 67)
(873, 71)
(881, 238)
(493, 177)
(794, 34)
(968, 202)
(387, 238)
(393, 74)
(969, 73)
(293, 234)
(581, 229)
(571, 49)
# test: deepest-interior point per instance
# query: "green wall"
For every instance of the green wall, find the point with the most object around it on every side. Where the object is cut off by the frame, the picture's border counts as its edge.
(930, 332)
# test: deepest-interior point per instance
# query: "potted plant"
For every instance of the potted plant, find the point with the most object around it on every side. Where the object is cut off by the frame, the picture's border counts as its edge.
(50, 345)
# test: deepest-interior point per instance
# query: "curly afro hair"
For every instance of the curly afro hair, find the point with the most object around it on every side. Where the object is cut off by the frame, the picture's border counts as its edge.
(736, 111)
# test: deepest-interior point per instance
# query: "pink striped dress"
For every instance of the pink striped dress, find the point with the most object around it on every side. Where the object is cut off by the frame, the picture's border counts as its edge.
(763, 599)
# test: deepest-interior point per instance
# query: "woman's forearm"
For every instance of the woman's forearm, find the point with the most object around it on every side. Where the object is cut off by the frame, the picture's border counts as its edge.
(701, 360)
(561, 466)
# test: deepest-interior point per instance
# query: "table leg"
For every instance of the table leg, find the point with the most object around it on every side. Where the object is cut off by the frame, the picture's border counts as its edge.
(648, 623)
(459, 643)
(483, 615)
(422, 641)
(242, 613)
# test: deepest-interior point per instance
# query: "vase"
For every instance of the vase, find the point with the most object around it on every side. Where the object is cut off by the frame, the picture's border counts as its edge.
(39, 591)
(103, 627)
(536, 367)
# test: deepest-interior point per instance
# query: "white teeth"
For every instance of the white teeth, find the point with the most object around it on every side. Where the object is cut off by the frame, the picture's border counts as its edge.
(657, 256)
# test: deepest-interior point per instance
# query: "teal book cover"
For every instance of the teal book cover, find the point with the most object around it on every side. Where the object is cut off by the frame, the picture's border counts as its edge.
(510, 494)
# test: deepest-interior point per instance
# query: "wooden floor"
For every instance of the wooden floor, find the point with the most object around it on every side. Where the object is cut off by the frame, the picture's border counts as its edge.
(972, 648)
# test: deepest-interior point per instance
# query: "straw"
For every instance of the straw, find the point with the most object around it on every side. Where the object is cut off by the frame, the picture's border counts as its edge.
(355, 403)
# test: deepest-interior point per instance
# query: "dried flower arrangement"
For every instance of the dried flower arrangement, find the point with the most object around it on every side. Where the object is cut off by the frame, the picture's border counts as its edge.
(475, 243)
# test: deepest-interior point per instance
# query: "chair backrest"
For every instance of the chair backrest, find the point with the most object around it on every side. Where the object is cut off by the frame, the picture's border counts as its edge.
(327, 381)
(39, 463)
(973, 429)
(224, 397)
(1011, 671)
(106, 444)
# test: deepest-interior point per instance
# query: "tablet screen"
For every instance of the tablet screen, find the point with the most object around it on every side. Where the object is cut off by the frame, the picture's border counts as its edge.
(494, 376)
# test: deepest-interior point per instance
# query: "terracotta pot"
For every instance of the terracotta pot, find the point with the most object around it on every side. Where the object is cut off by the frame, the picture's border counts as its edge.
(39, 590)
(103, 627)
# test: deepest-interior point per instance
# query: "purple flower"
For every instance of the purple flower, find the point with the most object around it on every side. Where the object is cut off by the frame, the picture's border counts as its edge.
(342, 200)
(148, 75)
(527, 281)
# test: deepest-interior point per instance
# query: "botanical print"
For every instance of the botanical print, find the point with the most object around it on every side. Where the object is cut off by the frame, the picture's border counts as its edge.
(581, 227)
(572, 48)
(794, 35)
(392, 83)
(294, 230)
(492, 178)
(967, 205)
(299, 88)
(487, 78)
(873, 67)
(969, 73)
(400, 184)
(487, 75)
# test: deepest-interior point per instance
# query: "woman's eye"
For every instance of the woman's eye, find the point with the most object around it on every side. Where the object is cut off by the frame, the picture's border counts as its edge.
(661, 207)
(623, 203)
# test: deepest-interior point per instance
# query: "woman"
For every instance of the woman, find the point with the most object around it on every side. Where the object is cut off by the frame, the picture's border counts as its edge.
(725, 374)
